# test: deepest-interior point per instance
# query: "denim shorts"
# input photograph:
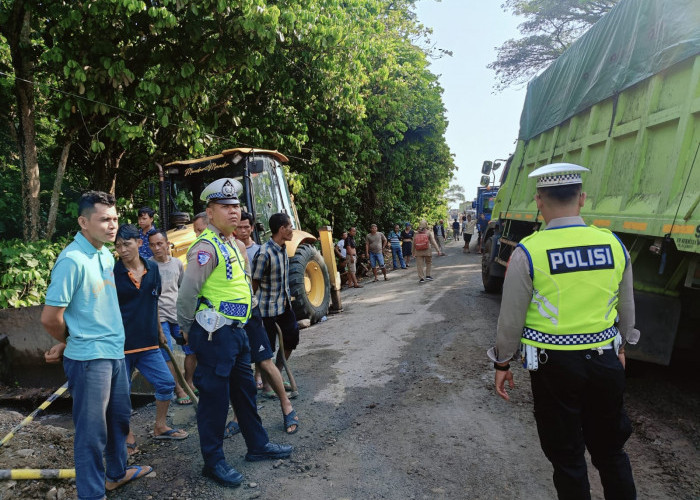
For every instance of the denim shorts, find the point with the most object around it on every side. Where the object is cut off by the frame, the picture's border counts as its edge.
(153, 368)
(172, 332)
(376, 259)
(257, 338)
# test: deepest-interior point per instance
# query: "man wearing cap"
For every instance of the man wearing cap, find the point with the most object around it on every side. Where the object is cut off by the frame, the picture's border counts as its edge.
(568, 298)
(214, 304)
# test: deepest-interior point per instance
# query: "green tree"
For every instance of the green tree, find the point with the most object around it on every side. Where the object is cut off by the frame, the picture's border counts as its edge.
(339, 86)
(551, 26)
(454, 194)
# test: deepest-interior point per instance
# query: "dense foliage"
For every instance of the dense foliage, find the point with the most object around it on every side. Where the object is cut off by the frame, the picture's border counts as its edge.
(550, 27)
(341, 87)
(25, 268)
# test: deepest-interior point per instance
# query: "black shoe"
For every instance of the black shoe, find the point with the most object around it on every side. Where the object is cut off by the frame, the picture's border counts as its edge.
(271, 451)
(429, 278)
(224, 474)
(421, 280)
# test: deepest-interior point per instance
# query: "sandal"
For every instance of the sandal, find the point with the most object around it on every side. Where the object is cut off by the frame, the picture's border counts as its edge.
(172, 434)
(184, 401)
(232, 428)
(291, 419)
(269, 395)
(132, 449)
(138, 472)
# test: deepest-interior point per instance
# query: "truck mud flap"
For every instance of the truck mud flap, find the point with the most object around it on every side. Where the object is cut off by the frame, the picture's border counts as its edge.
(657, 319)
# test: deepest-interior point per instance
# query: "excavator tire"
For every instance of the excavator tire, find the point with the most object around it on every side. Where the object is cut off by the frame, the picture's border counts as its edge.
(309, 284)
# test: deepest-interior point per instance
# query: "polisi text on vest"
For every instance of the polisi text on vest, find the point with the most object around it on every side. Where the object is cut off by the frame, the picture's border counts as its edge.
(586, 258)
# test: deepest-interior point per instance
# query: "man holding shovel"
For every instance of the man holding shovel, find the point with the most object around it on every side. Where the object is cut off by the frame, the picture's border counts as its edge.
(139, 286)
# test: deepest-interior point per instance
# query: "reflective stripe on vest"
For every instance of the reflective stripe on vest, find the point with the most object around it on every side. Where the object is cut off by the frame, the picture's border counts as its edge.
(576, 273)
(227, 287)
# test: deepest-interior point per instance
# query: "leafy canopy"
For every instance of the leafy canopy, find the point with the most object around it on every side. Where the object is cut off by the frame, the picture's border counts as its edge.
(551, 26)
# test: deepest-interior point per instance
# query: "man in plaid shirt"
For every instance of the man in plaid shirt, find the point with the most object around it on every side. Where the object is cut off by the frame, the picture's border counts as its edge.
(271, 286)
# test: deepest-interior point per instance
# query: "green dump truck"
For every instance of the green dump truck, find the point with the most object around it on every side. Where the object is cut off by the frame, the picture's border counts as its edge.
(624, 101)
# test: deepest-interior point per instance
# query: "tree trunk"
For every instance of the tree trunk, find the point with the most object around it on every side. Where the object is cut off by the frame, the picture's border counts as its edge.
(18, 36)
(53, 208)
(105, 177)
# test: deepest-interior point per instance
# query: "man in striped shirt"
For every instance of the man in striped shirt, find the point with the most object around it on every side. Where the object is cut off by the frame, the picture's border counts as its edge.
(271, 286)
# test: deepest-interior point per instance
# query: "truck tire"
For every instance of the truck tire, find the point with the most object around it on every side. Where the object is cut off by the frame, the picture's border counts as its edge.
(309, 284)
(492, 284)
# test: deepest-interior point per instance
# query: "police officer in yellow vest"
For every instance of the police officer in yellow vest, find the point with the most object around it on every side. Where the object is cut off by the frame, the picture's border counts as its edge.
(214, 303)
(568, 306)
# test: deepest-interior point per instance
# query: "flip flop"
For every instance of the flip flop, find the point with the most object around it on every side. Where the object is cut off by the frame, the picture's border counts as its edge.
(291, 419)
(287, 386)
(132, 449)
(169, 435)
(140, 472)
(184, 401)
(232, 428)
(259, 385)
(269, 395)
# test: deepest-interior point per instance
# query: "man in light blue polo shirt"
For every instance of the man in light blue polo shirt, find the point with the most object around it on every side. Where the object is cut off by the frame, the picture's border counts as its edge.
(82, 313)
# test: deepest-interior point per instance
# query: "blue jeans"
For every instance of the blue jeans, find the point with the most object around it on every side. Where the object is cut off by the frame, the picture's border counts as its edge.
(172, 332)
(153, 368)
(376, 259)
(396, 252)
(101, 411)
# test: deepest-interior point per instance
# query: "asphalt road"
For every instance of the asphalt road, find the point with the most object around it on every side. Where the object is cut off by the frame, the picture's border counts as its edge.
(397, 401)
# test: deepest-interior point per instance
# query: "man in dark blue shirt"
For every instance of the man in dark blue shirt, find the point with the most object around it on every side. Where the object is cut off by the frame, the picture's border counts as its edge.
(138, 288)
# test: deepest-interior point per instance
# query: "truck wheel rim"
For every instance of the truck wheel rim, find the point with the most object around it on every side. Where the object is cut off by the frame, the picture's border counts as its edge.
(314, 283)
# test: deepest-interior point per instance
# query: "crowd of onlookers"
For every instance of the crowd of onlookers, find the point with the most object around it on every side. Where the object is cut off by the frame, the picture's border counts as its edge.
(404, 245)
(111, 318)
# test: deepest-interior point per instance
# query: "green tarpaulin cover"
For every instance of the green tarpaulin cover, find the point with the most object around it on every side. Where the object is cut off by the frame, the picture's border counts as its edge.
(635, 40)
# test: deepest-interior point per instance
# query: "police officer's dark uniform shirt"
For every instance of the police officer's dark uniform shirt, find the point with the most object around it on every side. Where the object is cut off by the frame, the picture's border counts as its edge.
(518, 293)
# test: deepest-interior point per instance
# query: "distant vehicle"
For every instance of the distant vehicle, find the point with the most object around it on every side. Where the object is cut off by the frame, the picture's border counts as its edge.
(635, 124)
(484, 201)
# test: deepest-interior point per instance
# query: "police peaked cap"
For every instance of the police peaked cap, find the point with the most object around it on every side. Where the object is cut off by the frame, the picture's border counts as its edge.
(223, 191)
(558, 174)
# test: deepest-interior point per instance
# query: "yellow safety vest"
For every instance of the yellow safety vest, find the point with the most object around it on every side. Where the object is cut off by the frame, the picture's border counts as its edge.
(576, 273)
(226, 289)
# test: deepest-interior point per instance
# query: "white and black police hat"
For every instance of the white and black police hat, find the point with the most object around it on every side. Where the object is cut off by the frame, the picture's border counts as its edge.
(558, 174)
(223, 191)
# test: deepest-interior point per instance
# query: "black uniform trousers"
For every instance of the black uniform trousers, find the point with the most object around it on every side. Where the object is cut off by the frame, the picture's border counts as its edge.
(223, 373)
(579, 403)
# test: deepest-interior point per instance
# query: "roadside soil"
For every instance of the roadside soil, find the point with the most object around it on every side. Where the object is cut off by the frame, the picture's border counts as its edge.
(396, 401)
